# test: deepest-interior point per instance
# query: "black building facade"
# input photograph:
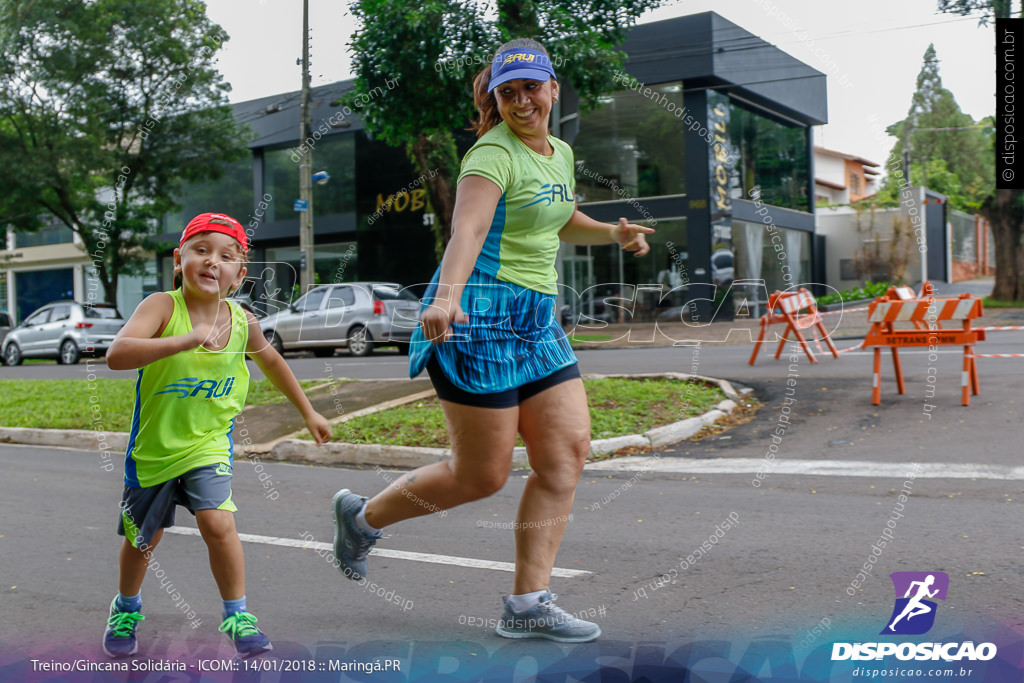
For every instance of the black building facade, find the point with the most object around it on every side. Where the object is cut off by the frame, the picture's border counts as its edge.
(708, 140)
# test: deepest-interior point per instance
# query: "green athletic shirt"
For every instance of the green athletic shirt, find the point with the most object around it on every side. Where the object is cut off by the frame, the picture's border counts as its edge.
(185, 404)
(537, 200)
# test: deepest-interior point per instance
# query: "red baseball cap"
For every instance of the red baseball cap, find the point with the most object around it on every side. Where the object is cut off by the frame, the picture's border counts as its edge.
(215, 222)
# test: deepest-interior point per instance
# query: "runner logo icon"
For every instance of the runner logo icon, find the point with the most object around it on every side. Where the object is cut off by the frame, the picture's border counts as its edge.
(914, 611)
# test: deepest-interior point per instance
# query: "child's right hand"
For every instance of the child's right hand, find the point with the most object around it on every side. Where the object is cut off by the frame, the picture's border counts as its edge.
(201, 333)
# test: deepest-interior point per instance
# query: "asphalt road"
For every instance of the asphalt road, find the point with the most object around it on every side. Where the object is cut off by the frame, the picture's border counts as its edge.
(781, 569)
(776, 575)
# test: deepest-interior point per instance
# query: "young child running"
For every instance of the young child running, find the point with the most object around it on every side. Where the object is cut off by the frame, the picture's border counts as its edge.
(189, 346)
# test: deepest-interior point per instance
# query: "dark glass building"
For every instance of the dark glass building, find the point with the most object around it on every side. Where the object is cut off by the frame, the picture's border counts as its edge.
(708, 140)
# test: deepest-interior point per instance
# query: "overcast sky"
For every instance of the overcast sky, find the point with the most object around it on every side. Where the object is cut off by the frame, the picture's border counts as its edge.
(874, 46)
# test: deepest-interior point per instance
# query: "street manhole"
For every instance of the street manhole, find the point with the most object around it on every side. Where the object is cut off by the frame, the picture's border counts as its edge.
(1012, 316)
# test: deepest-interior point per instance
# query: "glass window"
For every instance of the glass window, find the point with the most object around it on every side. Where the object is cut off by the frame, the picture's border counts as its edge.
(391, 294)
(39, 317)
(333, 263)
(231, 193)
(37, 288)
(341, 297)
(334, 154)
(311, 301)
(605, 283)
(108, 312)
(62, 312)
(781, 258)
(854, 183)
(632, 145)
(280, 181)
(51, 234)
(772, 155)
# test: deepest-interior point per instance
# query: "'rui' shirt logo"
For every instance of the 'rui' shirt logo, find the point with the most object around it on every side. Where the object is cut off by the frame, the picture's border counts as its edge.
(193, 386)
(548, 193)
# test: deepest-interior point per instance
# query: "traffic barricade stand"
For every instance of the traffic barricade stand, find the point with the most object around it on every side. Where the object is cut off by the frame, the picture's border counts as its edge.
(798, 310)
(884, 313)
(905, 293)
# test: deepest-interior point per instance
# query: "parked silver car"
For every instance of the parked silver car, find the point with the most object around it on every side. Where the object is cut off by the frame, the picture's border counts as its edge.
(358, 315)
(6, 323)
(65, 330)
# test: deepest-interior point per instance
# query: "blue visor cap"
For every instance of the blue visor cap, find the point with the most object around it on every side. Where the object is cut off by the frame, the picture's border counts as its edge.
(520, 63)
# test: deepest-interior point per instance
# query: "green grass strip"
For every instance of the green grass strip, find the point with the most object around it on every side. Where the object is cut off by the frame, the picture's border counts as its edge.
(989, 302)
(617, 407)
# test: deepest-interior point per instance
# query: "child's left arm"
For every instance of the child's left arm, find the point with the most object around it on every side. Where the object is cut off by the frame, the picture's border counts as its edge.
(276, 369)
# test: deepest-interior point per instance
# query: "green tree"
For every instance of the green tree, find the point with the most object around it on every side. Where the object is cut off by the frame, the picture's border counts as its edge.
(1004, 209)
(106, 109)
(939, 131)
(435, 48)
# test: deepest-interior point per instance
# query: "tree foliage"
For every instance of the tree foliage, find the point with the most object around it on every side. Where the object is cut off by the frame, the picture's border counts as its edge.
(950, 152)
(435, 48)
(1004, 209)
(989, 9)
(106, 108)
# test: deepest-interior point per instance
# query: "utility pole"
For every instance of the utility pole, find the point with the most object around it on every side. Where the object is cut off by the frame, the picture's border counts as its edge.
(305, 166)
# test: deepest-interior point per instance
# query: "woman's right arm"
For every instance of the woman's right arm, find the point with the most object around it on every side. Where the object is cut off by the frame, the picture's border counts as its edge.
(475, 202)
(138, 343)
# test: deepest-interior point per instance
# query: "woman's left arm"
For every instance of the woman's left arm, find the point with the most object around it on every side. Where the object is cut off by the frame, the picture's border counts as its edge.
(583, 230)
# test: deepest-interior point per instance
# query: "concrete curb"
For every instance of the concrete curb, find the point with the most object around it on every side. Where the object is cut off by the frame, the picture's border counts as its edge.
(413, 456)
(69, 438)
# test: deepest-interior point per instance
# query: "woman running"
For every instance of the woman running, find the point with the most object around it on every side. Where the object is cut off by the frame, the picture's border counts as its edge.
(490, 341)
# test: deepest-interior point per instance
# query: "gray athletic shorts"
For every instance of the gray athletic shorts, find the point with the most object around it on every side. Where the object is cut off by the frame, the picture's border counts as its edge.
(146, 510)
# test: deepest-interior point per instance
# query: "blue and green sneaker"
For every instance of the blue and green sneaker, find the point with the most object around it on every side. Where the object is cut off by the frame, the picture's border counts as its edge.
(248, 640)
(119, 638)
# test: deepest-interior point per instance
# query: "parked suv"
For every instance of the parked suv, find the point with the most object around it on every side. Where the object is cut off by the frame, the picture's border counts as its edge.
(64, 330)
(358, 315)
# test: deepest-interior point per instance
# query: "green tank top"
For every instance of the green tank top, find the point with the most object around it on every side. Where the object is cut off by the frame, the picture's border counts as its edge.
(185, 404)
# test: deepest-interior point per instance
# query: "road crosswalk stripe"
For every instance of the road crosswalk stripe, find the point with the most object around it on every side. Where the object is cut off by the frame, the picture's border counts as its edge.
(385, 552)
(828, 468)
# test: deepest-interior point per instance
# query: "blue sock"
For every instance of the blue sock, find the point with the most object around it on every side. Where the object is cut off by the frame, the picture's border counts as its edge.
(234, 606)
(132, 604)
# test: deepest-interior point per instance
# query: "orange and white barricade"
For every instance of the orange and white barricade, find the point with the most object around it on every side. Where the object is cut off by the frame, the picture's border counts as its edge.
(798, 310)
(904, 293)
(884, 313)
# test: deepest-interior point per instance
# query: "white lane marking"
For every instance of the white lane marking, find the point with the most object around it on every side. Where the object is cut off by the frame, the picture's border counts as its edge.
(830, 468)
(383, 552)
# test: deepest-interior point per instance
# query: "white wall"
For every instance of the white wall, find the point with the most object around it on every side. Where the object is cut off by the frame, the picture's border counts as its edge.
(830, 168)
(843, 241)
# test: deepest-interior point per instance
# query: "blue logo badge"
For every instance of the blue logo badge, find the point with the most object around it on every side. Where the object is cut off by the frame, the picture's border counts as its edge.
(914, 612)
(548, 193)
(192, 386)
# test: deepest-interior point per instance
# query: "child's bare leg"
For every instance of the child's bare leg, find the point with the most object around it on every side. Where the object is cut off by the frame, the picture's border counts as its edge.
(134, 563)
(226, 558)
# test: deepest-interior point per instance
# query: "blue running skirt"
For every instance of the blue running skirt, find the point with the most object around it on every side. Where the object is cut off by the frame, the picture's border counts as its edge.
(512, 337)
